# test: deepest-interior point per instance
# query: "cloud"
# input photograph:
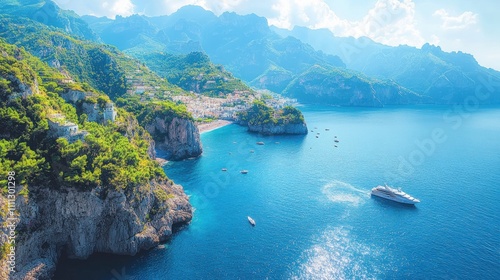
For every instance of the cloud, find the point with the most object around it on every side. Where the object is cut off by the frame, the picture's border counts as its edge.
(108, 8)
(391, 22)
(462, 21)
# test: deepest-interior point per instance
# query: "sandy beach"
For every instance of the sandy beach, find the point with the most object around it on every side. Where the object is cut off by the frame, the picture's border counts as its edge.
(206, 127)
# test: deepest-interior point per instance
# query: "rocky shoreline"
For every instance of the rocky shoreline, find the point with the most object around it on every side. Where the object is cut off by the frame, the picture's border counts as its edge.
(75, 224)
(277, 129)
(178, 138)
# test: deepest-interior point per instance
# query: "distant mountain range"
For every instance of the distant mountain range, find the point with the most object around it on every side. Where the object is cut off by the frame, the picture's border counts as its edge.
(446, 78)
(48, 13)
(280, 60)
(283, 61)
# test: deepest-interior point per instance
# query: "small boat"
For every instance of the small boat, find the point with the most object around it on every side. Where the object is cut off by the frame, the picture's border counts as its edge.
(396, 195)
(317, 136)
(335, 146)
(224, 169)
(252, 151)
(251, 221)
(336, 141)
(318, 133)
(315, 128)
(260, 143)
(327, 129)
(244, 171)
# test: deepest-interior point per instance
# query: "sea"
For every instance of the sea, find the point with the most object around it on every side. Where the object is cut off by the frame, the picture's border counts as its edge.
(310, 198)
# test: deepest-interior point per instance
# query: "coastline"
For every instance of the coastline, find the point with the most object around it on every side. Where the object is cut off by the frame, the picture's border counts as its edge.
(206, 127)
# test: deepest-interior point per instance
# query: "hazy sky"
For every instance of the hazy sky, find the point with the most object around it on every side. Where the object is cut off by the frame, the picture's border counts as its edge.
(469, 26)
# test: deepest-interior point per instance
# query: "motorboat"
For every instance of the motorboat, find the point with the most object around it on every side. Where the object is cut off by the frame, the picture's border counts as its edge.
(251, 221)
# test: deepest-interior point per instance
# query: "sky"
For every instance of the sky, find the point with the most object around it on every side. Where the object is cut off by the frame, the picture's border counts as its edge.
(455, 25)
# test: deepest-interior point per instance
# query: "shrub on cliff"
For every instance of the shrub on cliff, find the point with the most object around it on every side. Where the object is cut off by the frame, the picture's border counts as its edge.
(262, 114)
(106, 157)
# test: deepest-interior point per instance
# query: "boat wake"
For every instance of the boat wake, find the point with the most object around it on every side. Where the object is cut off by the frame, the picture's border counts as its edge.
(336, 255)
(341, 192)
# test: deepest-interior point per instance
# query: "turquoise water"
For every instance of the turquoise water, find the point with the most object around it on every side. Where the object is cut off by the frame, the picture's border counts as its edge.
(315, 217)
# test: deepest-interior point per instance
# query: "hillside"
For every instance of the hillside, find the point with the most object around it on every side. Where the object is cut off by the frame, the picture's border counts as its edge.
(329, 85)
(112, 72)
(49, 146)
(48, 13)
(193, 72)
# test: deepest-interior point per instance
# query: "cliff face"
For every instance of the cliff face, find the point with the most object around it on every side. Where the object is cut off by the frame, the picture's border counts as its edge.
(275, 129)
(178, 138)
(77, 224)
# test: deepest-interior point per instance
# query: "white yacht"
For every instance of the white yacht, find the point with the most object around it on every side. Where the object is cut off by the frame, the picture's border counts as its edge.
(394, 194)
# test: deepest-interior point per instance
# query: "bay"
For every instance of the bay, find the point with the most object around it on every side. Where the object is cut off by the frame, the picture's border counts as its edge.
(312, 205)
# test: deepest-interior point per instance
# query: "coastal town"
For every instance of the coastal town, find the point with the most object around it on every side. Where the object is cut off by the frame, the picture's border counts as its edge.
(210, 108)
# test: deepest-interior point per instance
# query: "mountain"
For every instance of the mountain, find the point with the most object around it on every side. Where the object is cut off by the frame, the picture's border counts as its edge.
(246, 46)
(446, 77)
(328, 85)
(48, 13)
(243, 44)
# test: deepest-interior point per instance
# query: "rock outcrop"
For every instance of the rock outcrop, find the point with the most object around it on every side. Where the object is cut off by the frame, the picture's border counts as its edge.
(275, 129)
(76, 224)
(179, 138)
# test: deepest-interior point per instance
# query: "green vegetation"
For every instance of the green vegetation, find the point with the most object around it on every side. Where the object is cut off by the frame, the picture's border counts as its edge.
(102, 67)
(48, 13)
(262, 114)
(88, 62)
(28, 94)
(193, 72)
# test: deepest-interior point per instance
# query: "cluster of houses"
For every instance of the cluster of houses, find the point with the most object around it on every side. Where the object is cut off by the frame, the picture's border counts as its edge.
(227, 108)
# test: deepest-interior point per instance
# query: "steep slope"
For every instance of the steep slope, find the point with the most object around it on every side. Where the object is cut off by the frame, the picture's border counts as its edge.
(82, 187)
(105, 68)
(194, 72)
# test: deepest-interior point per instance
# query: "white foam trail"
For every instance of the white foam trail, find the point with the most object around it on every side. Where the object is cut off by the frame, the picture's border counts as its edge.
(341, 192)
(336, 255)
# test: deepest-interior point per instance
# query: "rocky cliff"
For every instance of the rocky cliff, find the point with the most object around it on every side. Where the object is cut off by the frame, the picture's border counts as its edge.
(275, 129)
(179, 138)
(75, 224)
